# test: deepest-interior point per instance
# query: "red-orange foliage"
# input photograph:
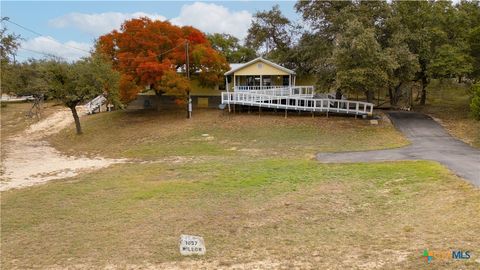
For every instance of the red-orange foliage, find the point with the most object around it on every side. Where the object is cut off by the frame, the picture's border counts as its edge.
(145, 50)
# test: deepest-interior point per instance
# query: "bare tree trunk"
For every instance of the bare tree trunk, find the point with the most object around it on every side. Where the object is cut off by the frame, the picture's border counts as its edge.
(390, 95)
(76, 118)
(395, 94)
(369, 95)
(423, 97)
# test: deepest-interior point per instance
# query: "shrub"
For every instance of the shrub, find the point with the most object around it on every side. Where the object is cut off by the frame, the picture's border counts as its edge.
(475, 103)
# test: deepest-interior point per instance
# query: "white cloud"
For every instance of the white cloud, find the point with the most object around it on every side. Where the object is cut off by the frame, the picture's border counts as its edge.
(98, 23)
(212, 18)
(208, 17)
(70, 50)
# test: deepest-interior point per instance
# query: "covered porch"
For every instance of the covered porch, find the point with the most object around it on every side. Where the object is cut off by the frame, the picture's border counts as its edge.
(259, 82)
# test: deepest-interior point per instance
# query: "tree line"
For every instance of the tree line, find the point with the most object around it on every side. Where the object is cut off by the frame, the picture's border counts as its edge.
(366, 46)
(142, 55)
(356, 47)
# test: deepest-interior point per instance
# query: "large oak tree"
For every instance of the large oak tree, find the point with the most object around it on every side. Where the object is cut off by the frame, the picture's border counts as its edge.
(146, 52)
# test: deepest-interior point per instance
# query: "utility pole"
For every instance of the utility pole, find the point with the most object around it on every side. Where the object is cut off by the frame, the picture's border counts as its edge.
(187, 63)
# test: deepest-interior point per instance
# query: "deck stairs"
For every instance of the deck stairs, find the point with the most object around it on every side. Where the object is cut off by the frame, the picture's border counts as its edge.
(94, 105)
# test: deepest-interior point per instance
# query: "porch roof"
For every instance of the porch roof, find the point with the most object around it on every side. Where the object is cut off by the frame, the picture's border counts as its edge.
(236, 66)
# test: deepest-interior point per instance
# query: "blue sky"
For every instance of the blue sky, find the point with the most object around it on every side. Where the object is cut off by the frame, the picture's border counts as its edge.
(67, 28)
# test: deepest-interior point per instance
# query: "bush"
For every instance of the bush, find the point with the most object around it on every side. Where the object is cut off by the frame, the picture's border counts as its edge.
(475, 103)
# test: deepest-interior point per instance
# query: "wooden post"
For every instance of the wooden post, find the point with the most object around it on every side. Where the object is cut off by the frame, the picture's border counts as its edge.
(228, 93)
(187, 64)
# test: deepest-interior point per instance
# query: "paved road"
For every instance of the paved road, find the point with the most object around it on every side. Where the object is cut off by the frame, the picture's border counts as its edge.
(429, 142)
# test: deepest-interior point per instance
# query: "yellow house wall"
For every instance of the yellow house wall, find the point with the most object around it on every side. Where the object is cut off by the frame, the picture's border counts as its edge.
(265, 70)
(199, 90)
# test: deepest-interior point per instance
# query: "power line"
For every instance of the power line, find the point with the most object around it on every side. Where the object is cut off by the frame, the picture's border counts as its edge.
(40, 35)
(39, 52)
(73, 47)
(179, 45)
(155, 55)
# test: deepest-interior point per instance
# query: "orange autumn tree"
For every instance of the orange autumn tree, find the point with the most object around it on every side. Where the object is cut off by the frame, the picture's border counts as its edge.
(148, 53)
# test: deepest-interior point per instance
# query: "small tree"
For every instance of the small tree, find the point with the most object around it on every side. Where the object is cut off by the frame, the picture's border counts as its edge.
(144, 50)
(475, 103)
(362, 65)
(271, 34)
(230, 47)
(9, 44)
(79, 82)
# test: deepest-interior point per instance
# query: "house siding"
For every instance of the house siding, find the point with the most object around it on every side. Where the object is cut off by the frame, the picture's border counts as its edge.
(254, 69)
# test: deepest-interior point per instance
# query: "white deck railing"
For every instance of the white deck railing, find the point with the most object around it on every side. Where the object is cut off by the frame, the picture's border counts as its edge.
(296, 98)
(258, 87)
(303, 91)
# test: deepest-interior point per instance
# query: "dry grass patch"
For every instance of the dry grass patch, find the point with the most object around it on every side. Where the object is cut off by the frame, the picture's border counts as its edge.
(449, 103)
(14, 117)
(277, 213)
(247, 184)
(151, 135)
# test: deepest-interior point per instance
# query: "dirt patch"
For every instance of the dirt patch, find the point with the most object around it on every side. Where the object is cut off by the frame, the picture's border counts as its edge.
(29, 160)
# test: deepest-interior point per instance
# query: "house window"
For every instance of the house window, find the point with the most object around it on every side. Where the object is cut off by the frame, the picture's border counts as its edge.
(253, 80)
(285, 81)
(267, 81)
(259, 65)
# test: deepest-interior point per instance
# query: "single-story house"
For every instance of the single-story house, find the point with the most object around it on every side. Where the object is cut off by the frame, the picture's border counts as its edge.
(252, 75)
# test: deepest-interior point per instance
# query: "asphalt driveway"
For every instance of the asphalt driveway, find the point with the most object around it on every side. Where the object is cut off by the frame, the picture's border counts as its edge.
(429, 141)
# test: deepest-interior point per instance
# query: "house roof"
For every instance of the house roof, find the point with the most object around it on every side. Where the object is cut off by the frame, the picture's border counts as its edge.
(237, 66)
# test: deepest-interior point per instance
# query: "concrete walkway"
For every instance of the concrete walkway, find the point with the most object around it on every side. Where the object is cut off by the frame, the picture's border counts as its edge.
(429, 142)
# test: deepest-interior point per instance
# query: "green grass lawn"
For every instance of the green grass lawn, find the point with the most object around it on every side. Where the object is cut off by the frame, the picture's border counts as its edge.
(450, 102)
(288, 211)
(250, 187)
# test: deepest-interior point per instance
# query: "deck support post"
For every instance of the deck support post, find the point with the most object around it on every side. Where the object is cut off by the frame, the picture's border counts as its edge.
(228, 93)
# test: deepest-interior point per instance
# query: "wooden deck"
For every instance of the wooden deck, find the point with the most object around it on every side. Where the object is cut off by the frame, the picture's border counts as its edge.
(298, 98)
